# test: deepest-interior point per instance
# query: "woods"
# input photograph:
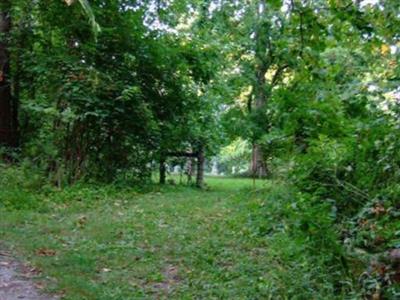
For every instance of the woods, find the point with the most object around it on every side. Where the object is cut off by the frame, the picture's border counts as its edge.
(8, 104)
(293, 105)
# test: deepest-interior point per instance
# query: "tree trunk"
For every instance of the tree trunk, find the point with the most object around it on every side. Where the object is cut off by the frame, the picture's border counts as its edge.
(163, 171)
(258, 165)
(8, 107)
(200, 168)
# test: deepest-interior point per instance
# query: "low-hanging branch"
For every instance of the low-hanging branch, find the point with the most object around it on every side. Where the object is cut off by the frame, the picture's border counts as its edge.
(182, 154)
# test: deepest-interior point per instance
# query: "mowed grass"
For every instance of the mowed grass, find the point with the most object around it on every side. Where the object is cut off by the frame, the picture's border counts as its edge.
(174, 242)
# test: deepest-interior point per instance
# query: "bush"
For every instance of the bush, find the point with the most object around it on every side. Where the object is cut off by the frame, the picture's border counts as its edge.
(19, 186)
(304, 241)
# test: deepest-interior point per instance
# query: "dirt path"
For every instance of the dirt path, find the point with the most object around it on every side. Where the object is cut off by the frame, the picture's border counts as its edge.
(16, 281)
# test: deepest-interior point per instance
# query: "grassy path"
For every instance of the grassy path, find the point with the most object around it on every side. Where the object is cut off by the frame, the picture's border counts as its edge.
(175, 243)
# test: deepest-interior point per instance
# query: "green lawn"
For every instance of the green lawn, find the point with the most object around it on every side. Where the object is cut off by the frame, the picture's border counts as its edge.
(174, 242)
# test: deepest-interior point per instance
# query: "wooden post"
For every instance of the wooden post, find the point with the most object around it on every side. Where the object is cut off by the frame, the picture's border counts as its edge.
(162, 170)
(189, 169)
(200, 168)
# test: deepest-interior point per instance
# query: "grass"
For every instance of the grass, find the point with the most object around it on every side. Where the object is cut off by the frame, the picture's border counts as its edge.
(174, 242)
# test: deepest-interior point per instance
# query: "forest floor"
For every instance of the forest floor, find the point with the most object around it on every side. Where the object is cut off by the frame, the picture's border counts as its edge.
(173, 242)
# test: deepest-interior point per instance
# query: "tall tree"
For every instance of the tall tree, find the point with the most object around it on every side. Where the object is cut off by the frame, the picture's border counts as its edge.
(269, 61)
(263, 62)
(8, 105)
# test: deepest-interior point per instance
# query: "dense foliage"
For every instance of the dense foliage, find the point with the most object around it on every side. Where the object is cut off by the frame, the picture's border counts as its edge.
(303, 92)
(105, 104)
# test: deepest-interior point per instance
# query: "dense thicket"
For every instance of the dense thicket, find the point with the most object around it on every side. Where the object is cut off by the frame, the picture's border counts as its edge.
(102, 104)
(324, 117)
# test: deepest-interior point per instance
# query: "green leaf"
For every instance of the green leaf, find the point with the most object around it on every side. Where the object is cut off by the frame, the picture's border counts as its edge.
(89, 12)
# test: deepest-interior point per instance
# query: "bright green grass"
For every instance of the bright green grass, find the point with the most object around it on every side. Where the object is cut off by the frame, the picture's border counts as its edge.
(175, 242)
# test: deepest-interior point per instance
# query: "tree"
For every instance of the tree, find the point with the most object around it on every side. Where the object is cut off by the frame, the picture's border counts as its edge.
(8, 104)
(108, 107)
(264, 60)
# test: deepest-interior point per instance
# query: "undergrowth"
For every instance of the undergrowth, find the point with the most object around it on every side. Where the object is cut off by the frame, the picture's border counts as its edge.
(231, 241)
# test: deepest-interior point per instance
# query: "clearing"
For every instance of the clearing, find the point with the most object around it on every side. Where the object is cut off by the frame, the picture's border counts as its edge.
(174, 242)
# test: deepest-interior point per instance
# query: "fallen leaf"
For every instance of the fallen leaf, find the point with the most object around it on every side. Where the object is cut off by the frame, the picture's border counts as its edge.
(82, 221)
(45, 252)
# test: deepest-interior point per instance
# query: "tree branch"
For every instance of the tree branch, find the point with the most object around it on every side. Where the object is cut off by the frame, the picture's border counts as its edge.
(278, 74)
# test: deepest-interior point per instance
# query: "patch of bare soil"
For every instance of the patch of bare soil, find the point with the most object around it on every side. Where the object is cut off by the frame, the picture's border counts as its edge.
(16, 281)
(171, 278)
